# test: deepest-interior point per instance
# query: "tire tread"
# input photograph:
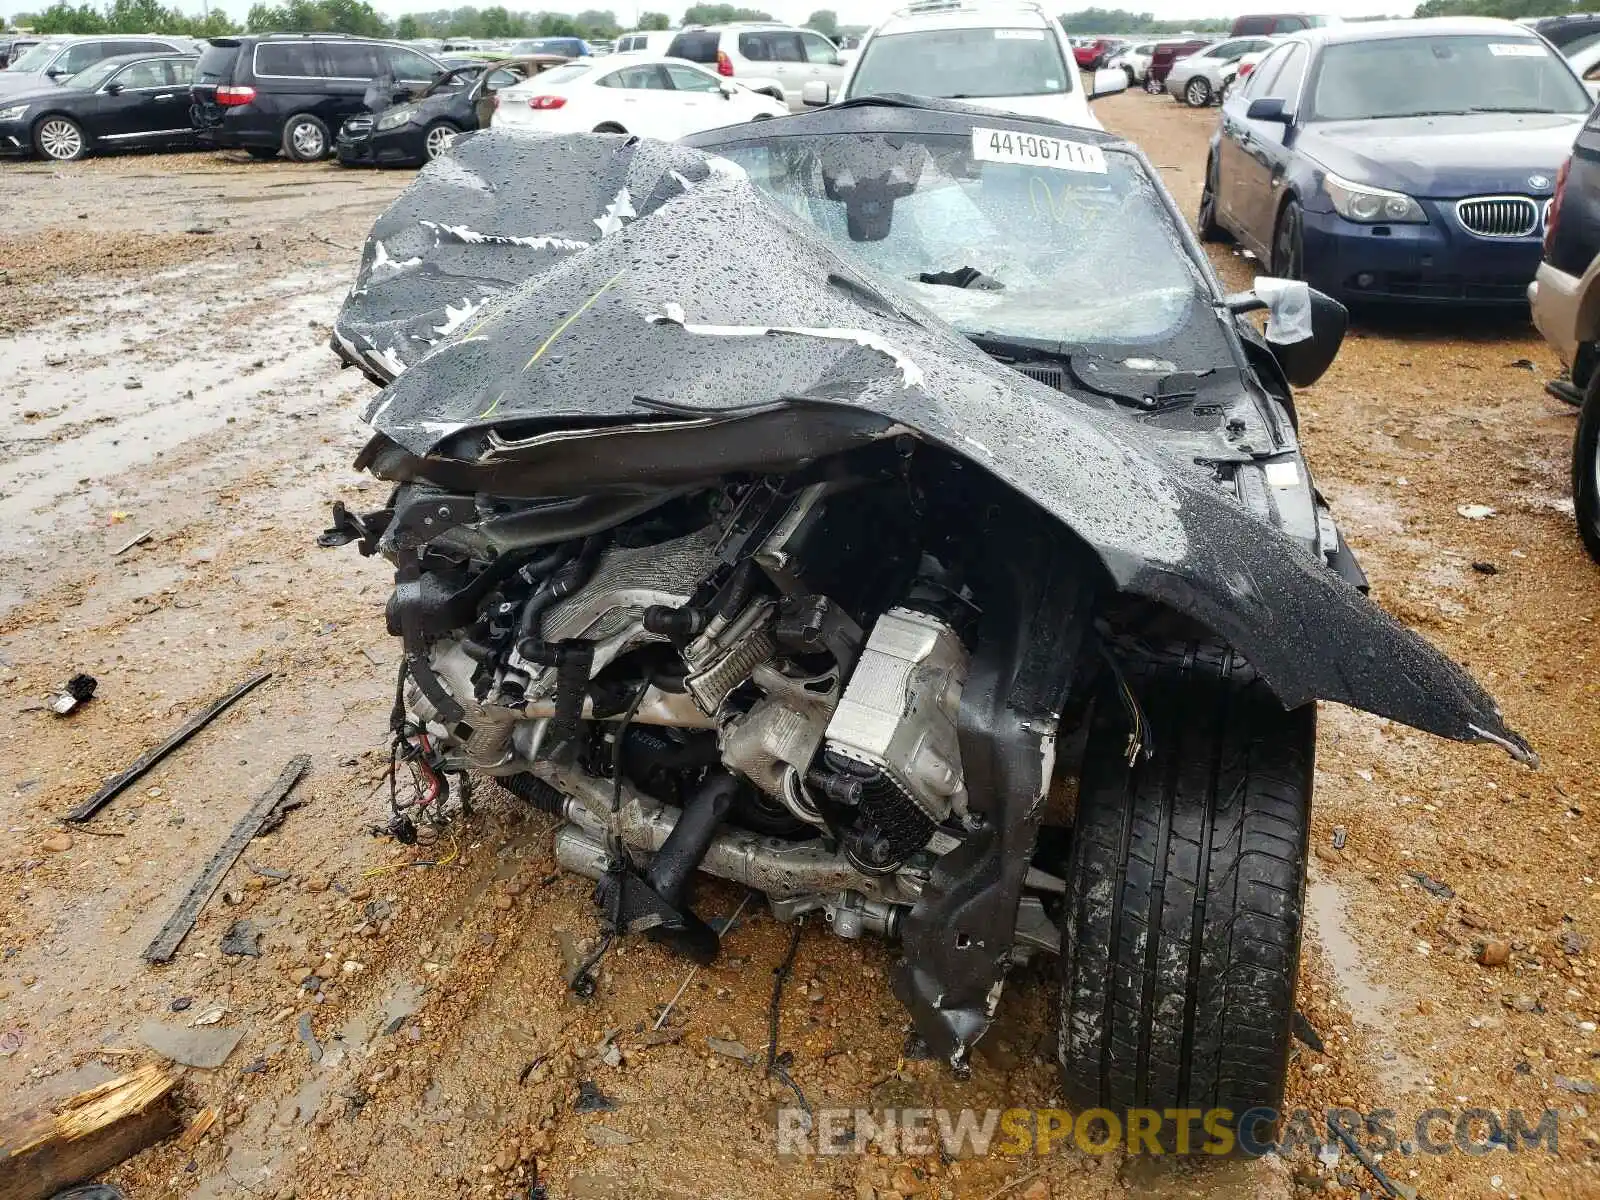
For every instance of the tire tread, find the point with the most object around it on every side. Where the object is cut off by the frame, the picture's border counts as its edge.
(1185, 892)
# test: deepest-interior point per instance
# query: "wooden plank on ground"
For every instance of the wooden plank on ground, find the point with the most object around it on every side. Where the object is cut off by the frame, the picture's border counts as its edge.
(46, 1150)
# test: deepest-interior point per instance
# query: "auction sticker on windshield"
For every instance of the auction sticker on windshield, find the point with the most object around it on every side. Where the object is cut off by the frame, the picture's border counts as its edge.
(1034, 150)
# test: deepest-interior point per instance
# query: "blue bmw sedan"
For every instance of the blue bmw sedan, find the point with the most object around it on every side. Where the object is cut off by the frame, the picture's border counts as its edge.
(1397, 161)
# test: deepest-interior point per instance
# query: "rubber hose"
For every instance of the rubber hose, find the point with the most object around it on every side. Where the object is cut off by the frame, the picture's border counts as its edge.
(535, 791)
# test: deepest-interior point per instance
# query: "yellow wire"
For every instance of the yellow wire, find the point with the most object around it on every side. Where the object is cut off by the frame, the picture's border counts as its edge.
(550, 341)
(455, 852)
(576, 313)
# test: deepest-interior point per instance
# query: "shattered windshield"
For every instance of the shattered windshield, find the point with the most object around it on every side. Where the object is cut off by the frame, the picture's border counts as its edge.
(1001, 234)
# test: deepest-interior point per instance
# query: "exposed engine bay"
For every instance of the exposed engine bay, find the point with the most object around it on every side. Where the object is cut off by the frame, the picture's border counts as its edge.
(724, 683)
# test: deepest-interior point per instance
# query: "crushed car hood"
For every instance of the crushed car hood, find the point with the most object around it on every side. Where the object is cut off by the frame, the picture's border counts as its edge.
(525, 288)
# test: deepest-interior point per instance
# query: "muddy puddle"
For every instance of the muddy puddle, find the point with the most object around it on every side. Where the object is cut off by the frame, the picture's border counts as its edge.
(1373, 1005)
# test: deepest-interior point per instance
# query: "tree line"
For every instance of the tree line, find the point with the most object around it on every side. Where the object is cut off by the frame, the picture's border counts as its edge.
(359, 17)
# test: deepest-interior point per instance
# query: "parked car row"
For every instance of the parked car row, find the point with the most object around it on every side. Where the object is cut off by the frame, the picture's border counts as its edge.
(376, 101)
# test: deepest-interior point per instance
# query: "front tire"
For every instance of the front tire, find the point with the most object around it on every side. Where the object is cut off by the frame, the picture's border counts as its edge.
(305, 138)
(60, 139)
(1288, 243)
(609, 127)
(437, 139)
(1207, 225)
(1185, 895)
(1586, 468)
(1197, 92)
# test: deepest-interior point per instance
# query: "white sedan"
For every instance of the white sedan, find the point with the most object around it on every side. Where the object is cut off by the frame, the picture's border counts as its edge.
(646, 94)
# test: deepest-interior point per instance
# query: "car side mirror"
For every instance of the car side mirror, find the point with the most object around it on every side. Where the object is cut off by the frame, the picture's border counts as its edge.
(728, 90)
(816, 94)
(1108, 82)
(1305, 327)
(1267, 108)
(113, 89)
(55, 72)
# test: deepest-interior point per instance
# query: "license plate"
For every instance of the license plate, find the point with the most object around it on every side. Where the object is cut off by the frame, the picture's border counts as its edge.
(1036, 150)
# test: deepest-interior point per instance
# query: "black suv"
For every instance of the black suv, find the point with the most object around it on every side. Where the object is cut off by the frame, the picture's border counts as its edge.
(290, 92)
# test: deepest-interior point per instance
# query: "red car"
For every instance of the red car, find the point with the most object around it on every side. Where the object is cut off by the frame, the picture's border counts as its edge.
(1091, 56)
(1164, 55)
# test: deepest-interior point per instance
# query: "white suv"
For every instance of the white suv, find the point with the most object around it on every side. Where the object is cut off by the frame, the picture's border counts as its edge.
(1011, 56)
(764, 56)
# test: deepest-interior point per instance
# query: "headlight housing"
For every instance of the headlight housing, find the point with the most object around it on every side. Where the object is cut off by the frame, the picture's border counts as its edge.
(1370, 205)
(14, 113)
(396, 117)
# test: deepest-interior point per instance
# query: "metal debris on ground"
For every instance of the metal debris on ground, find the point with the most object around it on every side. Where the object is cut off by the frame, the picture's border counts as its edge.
(182, 920)
(206, 1048)
(731, 1049)
(126, 546)
(79, 690)
(303, 1032)
(181, 1004)
(728, 925)
(114, 786)
(1391, 1187)
(1434, 887)
(243, 940)
(592, 1100)
(1340, 836)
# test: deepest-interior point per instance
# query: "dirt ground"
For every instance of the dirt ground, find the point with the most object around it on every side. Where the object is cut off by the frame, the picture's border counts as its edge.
(163, 328)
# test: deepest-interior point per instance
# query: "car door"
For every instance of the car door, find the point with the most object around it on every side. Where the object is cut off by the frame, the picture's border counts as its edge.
(822, 62)
(482, 95)
(143, 103)
(789, 65)
(634, 97)
(1266, 147)
(699, 100)
(411, 70)
(1234, 136)
(351, 67)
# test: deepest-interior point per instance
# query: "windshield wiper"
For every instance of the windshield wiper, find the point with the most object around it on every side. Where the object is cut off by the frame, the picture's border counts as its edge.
(1508, 108)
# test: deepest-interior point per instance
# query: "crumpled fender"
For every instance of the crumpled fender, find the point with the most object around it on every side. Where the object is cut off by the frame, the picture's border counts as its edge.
(585, 282)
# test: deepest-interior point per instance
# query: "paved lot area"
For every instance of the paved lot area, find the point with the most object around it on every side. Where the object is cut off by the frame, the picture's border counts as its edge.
(163, 328)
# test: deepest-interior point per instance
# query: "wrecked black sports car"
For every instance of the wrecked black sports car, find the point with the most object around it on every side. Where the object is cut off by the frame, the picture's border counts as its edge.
(883, 508)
